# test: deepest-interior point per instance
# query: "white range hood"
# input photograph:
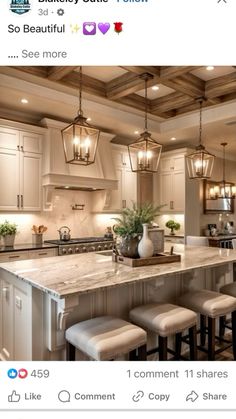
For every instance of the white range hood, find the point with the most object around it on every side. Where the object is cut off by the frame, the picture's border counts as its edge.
(57, 174)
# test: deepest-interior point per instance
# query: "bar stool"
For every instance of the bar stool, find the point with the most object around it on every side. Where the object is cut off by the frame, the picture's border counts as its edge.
(167, 320)
(211, 305)
(104, 338)
(228, 289)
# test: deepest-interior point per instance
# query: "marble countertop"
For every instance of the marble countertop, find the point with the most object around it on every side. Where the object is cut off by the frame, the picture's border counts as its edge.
(62, 276)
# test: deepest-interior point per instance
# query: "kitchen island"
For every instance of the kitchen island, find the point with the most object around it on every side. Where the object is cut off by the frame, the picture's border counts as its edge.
(41, 298)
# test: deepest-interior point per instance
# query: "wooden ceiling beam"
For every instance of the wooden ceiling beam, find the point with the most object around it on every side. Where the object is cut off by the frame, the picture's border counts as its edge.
(173, 71)
(35, 71)
(58, 72)
(126, 85)
(221, 86)
(186, 86)
(170, 102)
(90, 85)
(155, 71)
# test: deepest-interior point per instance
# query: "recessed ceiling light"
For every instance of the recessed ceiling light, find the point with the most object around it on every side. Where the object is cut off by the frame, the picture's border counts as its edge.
(172, 139)
(24, 101)
(155, 88)
(136, 132)
(89, 119)
(210, 68)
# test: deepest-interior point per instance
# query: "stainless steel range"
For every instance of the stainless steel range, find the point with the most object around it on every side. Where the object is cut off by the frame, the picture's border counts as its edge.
(82, 245)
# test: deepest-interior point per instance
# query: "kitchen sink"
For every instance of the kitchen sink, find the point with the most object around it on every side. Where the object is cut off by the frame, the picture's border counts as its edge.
(105, 253)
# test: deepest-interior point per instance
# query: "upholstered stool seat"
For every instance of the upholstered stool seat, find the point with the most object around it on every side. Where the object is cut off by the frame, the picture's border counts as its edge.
(229, 289)
(105, 338)
(166, 320)
(210, 305)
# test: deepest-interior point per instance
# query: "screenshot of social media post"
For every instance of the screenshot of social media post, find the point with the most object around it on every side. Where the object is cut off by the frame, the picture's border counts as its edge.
(117, 208)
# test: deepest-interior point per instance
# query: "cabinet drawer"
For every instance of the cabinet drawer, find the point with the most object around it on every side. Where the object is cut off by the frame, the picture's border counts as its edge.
(43, 253)
(11, 256)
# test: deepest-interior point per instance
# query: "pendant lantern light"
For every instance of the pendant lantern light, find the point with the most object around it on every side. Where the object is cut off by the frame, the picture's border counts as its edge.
(224, 189)
(144, 153)
(200, 163)
(80, 139)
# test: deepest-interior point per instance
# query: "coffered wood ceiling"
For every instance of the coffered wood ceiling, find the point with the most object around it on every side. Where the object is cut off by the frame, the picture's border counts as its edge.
(179, 87)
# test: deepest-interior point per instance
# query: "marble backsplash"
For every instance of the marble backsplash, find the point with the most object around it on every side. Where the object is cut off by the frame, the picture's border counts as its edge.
(79, 222)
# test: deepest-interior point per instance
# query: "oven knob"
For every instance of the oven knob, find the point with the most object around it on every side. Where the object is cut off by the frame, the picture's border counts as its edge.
(111, 246)
(70, 250)
(105, 247)
(92, 249)
(84, 249)
(64, 251)
(99, 248)
(77, 250)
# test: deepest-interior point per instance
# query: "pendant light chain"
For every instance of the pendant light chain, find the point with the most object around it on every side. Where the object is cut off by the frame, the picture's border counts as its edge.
(80, 91)
(200, 124)
(146, 104)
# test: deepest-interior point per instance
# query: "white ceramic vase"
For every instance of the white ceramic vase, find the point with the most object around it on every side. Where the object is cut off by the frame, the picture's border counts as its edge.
(145, 246)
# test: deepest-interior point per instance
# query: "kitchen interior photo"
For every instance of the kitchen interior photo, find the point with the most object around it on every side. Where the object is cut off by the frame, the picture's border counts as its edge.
(117, 213)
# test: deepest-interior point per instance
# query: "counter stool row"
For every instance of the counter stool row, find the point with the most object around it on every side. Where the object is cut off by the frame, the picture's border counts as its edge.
(106, 338)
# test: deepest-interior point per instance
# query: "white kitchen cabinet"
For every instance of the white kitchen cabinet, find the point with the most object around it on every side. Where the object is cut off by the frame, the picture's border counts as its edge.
(20, 166)
(126, 193)
(15, 317)
(6, 308)
(172, 183)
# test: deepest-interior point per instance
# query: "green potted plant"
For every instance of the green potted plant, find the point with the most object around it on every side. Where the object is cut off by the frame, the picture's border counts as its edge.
(173, 225)
(129, 226)
(8, 232)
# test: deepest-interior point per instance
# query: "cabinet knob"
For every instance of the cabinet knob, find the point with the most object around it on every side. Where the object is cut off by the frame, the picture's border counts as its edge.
(22, 148)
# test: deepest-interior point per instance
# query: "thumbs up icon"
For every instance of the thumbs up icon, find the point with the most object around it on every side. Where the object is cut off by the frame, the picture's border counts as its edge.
(14, 397)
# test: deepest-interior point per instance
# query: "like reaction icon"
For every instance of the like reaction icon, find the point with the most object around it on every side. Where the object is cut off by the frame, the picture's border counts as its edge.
(14, 397)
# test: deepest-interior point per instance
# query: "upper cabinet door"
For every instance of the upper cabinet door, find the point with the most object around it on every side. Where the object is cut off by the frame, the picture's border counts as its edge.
(30, 194)
(178, 191)
(10, 180)
(9, 138)
(30, 142)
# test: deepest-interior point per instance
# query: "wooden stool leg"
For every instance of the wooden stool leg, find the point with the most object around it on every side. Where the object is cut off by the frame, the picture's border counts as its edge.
(162, 348)
(70, 352)
(193, 343)
(211, 338)
(178, 345)
(233, 317)
(202, 330)
(133, 355)
(142, 353)
(222, 326)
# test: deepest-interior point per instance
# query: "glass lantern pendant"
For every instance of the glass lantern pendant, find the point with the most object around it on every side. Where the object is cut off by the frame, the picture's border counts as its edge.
(200, 163)
(80, 139)
(145, 152)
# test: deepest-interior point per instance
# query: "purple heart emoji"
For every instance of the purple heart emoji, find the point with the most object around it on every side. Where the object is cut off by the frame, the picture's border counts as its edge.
(104, 27)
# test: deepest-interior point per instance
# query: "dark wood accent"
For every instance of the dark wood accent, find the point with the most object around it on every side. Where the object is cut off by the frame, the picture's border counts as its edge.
(162, 341)
(123, 89)
(193, 343)
(211, 339)
(70, 352)
(202, 330)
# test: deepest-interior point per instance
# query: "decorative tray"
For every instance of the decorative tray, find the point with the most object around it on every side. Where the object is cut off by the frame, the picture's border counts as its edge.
(154, 260)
